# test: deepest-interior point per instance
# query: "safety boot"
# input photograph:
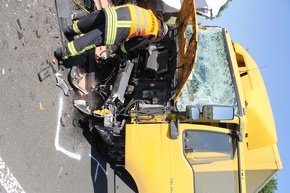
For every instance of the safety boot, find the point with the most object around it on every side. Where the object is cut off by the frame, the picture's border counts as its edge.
(62, 53)
(68, 31)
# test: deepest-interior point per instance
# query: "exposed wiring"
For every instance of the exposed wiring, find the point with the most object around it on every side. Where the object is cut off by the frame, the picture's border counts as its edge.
(81, 6)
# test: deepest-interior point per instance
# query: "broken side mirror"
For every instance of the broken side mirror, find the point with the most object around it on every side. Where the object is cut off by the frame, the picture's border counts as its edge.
(217, 112)
(192, 112)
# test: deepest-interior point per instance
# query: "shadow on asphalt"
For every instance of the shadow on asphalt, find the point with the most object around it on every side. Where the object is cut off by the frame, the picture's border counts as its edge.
(100, 161)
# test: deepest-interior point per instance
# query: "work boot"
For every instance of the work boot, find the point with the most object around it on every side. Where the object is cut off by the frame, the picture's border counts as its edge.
(68, 31)
(61, 53)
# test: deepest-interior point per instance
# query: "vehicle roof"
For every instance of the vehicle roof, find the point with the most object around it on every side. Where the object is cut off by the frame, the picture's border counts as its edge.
(261, 126)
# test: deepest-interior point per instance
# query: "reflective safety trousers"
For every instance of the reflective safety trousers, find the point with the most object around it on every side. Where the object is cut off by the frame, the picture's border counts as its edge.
(127, 21)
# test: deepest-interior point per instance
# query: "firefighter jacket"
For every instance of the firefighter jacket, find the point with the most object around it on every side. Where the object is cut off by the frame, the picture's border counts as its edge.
(128, 21)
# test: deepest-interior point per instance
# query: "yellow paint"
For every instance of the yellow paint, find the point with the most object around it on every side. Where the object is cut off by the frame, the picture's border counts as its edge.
(159, 164)
(261, 126)
(155, 161)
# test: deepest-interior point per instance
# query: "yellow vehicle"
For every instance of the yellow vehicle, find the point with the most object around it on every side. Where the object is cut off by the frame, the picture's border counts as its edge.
(226, 139)
(190, 113)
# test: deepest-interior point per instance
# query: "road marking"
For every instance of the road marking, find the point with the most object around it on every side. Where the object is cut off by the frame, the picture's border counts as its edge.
(8, 181)
(56, 142)
(97, 169)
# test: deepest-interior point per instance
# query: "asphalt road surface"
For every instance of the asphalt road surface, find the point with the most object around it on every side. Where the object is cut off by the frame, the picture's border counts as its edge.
(43, 148)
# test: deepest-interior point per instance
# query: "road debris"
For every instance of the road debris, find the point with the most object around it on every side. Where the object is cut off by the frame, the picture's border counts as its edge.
(63, 84)
(53, 60)
(41, 107)
(45, 73)
(63, 119)
(52, 67)
(82, 106)
(19, 24)
(19, 34)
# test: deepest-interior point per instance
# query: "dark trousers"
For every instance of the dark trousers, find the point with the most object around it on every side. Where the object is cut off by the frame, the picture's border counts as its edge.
(93, 27)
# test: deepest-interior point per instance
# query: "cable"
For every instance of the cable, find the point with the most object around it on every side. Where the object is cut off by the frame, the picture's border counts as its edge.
(81, 6)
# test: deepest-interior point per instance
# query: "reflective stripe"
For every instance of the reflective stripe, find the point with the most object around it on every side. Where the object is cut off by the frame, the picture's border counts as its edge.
(109, 25)
(134, 21)
(76, 27)
(72, 49)
(65, 57)
(138, 20)
(124, 24)
(120, 6)
(74, 52)
(86, 48)
(144, 21)
(114, 34)
(123, 49)
(111, 29)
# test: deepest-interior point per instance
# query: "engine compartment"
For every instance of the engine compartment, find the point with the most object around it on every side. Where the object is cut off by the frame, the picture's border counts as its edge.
(140, 88)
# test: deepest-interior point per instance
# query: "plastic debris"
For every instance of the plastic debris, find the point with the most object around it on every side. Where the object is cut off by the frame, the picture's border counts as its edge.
(82, 106)
(41, 107)
(102, 113)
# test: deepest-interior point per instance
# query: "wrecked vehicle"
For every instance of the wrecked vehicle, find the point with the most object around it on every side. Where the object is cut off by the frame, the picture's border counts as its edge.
(187, 113)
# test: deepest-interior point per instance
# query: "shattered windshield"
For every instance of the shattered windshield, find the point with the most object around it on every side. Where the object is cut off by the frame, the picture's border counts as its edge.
(210, 82)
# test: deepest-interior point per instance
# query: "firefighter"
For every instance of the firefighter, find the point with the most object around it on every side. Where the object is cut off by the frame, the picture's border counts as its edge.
(127, 27)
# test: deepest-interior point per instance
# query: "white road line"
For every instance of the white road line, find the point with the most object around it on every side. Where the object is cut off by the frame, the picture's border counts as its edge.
(8, 181)
(97, 169)
(56, 142)
(96, 172)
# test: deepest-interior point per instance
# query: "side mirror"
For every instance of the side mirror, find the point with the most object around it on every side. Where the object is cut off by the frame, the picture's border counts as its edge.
(192, 112)
(213, 112)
